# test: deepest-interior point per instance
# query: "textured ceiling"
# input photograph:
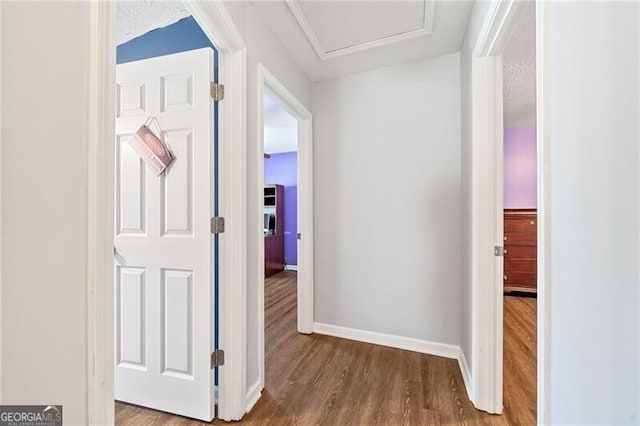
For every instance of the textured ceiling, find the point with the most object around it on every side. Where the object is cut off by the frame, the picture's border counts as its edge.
(520, 74)
(443, 35)
(280, 127)
(135, 18)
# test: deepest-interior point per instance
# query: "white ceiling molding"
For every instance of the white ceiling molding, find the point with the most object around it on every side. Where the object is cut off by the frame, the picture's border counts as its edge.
(135, 18)
(519, 74)
(326, 53)
(363, 38)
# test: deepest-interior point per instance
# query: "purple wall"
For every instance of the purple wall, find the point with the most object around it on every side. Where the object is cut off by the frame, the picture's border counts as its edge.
(282, 169)
(520, 168)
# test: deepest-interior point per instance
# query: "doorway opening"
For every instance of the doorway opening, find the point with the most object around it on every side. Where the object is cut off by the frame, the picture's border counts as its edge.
(285, 239)
(166, 255)
(280, 210)
(280, 213)
(217, 24)
(491, 312)
(520, 220)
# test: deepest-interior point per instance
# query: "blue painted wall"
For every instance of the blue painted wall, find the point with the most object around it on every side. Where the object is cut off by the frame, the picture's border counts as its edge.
(182, 36)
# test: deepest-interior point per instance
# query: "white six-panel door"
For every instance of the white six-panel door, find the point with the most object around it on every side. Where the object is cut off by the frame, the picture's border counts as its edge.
(164, 251)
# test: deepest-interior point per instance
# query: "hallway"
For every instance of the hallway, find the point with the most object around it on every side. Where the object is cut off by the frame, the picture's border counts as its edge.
(321, 380)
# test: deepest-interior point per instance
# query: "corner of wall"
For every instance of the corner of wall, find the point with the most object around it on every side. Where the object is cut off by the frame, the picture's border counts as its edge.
(466, 376)
(253, 395)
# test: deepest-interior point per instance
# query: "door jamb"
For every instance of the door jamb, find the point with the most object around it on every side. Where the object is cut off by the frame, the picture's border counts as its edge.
(216, 22)
(0, 200)
(305, 207)
(543, 171)
(487, 134)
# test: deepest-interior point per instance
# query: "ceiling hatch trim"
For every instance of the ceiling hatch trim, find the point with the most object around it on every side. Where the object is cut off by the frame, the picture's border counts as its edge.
(324, 54)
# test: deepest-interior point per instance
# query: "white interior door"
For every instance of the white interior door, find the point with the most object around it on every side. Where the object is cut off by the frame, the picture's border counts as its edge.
(164, 248)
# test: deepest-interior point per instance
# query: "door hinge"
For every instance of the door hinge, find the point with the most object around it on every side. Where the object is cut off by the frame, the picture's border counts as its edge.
(217, 358)
(217, 91)
(498, 251)
(217, 225)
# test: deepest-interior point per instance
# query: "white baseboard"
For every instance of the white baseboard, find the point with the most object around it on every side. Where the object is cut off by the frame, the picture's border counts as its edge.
(407, 343)
(253, 395)
(291, 267)
(466, 375)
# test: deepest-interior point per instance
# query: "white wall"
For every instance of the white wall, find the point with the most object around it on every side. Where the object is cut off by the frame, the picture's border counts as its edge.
(262, 47)
(478, 15)
(590, 144)
(1, 202)
(44, 205)
(387, 200)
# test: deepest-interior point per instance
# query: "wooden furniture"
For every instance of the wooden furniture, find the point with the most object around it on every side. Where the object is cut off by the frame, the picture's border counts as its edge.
(273, 229)
(520, 250)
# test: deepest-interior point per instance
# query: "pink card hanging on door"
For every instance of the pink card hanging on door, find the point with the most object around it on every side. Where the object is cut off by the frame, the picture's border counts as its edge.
(151, 149)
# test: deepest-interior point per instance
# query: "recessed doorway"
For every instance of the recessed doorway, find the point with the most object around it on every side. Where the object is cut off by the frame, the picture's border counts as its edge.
(520, 221)
(285, 239)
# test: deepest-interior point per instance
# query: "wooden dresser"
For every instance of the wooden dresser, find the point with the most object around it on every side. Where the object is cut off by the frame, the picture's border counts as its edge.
(273, 229)
(520, 250)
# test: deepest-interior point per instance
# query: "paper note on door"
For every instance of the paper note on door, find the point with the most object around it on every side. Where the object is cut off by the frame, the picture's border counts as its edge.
(152, 150)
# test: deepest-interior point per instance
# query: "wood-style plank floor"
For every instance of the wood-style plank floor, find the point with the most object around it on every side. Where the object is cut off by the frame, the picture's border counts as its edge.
(321, 380)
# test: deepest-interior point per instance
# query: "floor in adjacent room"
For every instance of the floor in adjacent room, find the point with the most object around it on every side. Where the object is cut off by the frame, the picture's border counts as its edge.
(321, 380)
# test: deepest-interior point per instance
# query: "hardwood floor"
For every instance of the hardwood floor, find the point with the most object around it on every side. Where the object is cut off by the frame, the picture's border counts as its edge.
(520, 350)
(321, 380)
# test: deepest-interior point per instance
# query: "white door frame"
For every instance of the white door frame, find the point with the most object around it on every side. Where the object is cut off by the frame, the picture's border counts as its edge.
(0, 199)
(488, 211)
(305, 206)
(216, 22)
(543, 171)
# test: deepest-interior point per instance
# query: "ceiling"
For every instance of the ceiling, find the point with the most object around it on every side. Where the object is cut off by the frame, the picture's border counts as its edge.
(135, 18)
(520, 73)
(280, 127)
(330, 39)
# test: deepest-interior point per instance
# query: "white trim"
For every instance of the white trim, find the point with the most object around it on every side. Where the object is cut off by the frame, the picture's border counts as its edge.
(218, 25)
(291, 267)
(324, 54)
(466, 374)
(543, 143)
(487, 207)
(253, 395)
(215, 21)
(267, 81)
(258, 239)
(407, 343)
(0, 202)
(499, 26)
(100, 236)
